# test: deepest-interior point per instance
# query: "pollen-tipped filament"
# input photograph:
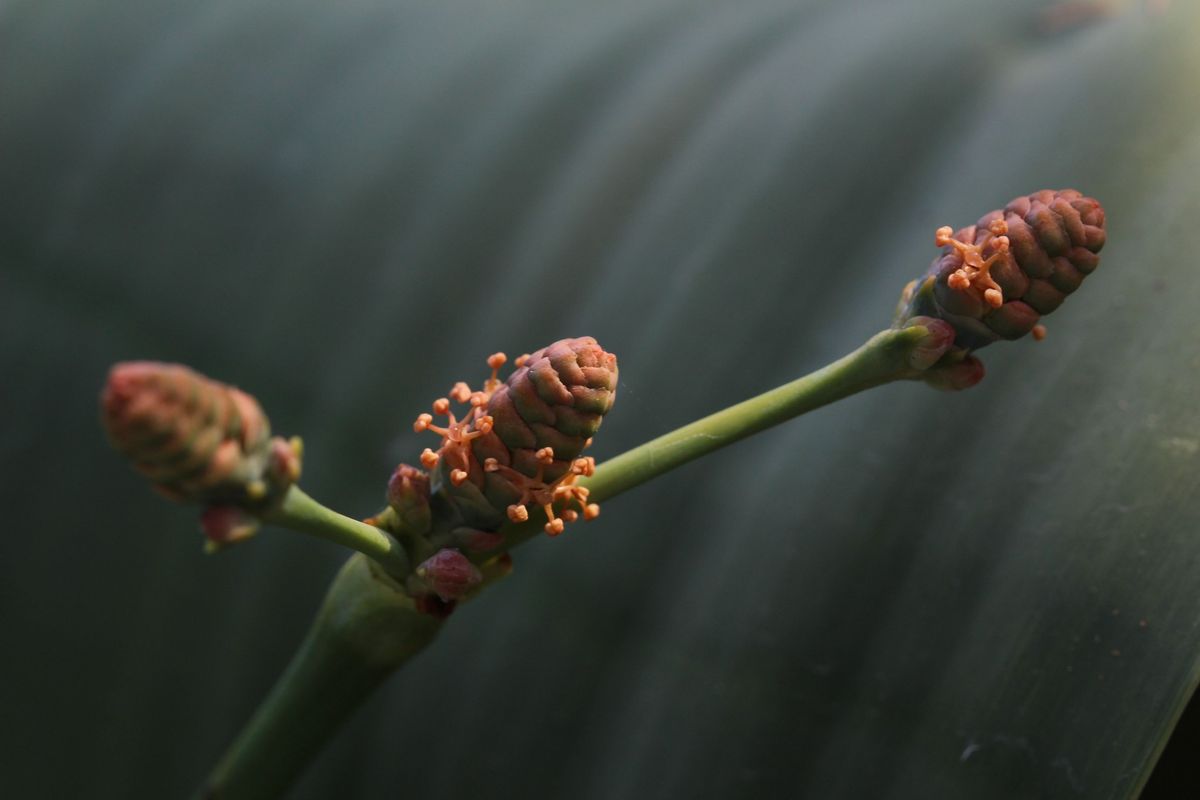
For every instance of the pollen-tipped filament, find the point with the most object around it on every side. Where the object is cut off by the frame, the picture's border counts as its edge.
(456, 437)
(975, 272)
(495, 361)
(457, 434)
(536, 491)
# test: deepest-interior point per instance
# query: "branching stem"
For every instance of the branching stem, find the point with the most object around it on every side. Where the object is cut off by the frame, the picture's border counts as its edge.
(368, 626)
(302, 513)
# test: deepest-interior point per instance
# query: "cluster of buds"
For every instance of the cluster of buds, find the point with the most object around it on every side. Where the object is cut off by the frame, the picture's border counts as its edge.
(997, 278)
(520, 441)
(200, 441)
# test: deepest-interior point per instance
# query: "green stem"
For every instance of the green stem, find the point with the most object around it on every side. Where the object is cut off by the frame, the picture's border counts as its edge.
(368, 626)
(366, 629)
(882, 359)
(301, 513)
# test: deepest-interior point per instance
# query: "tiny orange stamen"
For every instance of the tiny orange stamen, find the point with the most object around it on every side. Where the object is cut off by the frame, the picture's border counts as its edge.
(975, 272)
(1039, 332)
(536, 491)
(429, 459)
(459, 432)
(495, 361)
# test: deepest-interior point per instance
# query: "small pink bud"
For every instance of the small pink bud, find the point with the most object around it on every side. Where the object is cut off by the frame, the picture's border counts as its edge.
(285, 461)
(449, 574)
(955, 377)
(933, 345)
(226, 525)
(408, 496)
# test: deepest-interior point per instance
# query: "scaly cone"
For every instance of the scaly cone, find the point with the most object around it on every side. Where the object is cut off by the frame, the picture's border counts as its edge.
(997, 278)
(200, 441)
(520, 442)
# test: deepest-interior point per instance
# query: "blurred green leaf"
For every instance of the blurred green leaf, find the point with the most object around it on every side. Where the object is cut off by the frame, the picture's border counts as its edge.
(345, 207)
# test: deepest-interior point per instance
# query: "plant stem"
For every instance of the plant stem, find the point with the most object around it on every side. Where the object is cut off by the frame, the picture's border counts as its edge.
(368, 626)
(366, 629)
(881, 359)
(301, 513)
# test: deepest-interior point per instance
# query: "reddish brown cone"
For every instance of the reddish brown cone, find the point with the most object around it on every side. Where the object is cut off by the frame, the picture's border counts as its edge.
(197, 440)
(995, 279)
(521, 440)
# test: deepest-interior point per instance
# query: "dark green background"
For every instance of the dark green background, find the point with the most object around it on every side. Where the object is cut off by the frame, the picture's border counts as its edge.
(344, 207)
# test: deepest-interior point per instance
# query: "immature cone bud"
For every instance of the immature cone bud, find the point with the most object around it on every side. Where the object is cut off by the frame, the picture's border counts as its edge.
(959, 371)
(226, 525)
(197, 440)
(408, 497)
(448, 574)
(995, 279)
(542, 417)
(927, 351)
